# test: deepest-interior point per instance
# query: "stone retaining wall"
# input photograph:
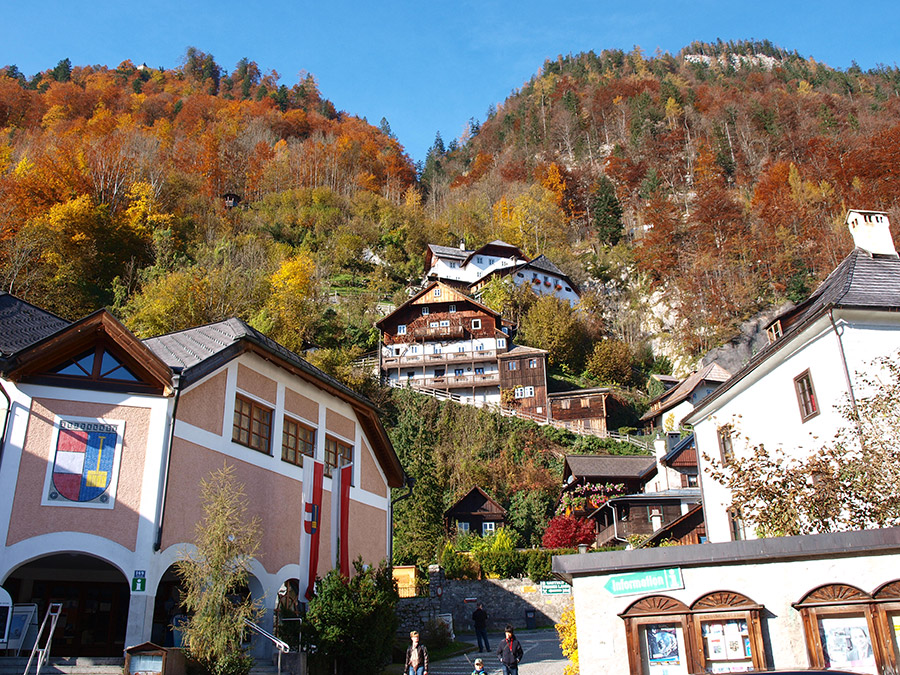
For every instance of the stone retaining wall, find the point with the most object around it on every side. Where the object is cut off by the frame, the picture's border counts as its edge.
(505, 601)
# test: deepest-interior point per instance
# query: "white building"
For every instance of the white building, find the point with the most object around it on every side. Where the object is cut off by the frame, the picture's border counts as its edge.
(472, 270)
(788, 395)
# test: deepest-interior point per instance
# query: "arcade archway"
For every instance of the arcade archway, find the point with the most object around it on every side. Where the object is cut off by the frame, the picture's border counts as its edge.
(94, 597)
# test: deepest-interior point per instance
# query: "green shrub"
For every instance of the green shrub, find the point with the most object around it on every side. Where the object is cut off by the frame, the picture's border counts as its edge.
(503, 564)
(457, 565)
(435, 635)
(538, 565)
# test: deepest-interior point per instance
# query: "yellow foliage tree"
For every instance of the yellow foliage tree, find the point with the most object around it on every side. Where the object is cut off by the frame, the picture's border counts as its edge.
(568, 639)
(288, 306)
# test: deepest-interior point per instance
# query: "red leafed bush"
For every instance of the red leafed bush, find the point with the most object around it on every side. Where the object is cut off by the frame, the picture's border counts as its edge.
(567, 532)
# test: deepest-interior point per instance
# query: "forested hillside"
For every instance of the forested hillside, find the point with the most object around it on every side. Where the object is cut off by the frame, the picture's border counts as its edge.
(731, 166)
(682, 193)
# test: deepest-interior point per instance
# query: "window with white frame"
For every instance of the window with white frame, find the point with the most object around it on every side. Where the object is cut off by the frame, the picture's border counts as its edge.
(476, 324)
(488, 528)
(433, 324)
(401, 329)
(425, 311)
(445, 323)
(462, 527)
(479, 348)
(452, 309)
(501, 342)
(437, 292)
(524, 392)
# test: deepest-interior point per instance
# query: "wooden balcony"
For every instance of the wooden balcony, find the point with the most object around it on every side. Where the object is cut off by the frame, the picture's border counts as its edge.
(455, 381)
(444, 357)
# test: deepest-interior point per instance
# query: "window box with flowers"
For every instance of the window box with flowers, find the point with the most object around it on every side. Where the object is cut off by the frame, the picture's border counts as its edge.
(547, 284)
(588, 496)
(559, 287)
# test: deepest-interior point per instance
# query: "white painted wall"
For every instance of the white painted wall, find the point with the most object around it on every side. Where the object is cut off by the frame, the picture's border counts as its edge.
(601, 633)
(763, 406)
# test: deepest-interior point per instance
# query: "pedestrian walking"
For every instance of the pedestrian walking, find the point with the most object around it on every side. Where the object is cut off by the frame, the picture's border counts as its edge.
(479, 620)
(510, 652)
(416, 656)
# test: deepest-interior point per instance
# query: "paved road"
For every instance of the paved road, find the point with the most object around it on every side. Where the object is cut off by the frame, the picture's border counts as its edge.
(542, 656)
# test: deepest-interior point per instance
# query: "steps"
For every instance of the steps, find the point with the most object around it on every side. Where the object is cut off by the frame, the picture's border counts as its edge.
(61, 665)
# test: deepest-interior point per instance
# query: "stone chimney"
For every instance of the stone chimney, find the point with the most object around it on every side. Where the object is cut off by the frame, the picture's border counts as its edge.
(871, 232)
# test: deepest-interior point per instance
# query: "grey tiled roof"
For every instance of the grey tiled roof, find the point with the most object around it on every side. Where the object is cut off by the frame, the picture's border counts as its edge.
(448, 251)
(861, 281)
(22, 324)
(542, 262)
(196, 351)
(612, 466)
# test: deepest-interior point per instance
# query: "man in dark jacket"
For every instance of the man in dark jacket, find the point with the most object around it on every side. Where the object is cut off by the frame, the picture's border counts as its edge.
(510, 652)
(479, 620)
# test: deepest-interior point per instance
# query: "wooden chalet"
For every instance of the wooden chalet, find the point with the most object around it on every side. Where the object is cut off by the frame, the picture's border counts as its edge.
(475, 513)
(585, 410)
(523, 373)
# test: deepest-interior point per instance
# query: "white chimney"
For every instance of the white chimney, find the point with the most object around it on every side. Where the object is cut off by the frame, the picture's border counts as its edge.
(871, 231)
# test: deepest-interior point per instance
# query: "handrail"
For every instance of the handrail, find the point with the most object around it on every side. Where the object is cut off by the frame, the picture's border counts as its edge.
(43, 653)
(282, 646)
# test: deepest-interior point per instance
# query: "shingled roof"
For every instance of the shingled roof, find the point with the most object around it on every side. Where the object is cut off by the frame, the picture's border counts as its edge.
(621, 467)
(862, 281)
(23, 324)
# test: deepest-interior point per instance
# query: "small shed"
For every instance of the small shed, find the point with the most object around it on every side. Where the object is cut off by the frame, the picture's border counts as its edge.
(151, 659)
(475, 513)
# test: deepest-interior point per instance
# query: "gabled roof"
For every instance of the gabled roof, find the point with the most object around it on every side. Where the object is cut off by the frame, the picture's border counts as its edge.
(620, 467)
(862, 281)
(448, 294)
(496, 244)
(22, 324)
(448, 252)
(683, 454)
(669, 399)
(476, 491)
(196, 352)
(521, 350)
(74, 339)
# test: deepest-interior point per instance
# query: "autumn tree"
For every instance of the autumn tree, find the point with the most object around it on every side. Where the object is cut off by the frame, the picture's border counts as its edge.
(566, 531)
(610, 362)
(553, 324)
(214, 576)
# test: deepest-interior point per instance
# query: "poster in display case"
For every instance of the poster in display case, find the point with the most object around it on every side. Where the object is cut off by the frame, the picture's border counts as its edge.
(726, 645)
(847, 644)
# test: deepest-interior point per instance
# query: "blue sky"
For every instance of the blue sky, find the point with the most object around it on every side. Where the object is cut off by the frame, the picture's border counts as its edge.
(430, 65)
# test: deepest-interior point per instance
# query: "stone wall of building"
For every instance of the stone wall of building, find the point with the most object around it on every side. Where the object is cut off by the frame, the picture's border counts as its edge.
(520, 602)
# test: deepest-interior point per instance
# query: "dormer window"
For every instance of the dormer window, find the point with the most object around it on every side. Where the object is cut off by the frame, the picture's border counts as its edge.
(774, 331)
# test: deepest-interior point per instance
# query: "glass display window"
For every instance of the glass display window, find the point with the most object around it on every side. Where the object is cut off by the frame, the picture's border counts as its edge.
(839, 621)
(728, 633)
(659, 637)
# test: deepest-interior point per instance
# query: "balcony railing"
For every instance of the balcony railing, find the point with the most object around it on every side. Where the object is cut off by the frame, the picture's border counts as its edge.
(454, 381)
(389, 360)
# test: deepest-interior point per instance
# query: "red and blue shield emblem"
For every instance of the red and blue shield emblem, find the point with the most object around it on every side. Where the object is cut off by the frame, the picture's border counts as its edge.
(85, 457)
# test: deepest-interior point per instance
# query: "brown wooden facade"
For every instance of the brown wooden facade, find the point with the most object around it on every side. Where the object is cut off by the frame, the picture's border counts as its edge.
(474, 509)
(523, 370)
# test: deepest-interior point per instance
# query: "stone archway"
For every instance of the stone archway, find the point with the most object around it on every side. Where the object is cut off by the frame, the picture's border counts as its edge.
(94, 595)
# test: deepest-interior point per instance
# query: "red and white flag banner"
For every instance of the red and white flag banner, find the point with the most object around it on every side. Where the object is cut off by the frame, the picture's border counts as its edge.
(313, 475)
